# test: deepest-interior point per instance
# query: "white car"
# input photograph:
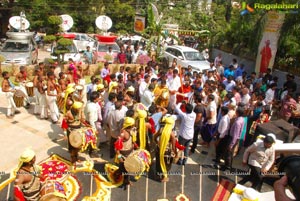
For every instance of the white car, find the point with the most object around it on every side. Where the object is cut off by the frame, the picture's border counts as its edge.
(185, 57)
(72, 54)
(20, 49)
(82, 40)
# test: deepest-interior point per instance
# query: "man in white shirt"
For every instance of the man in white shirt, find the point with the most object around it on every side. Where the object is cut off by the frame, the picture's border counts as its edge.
(135, 54)
(245, 97)
(222, 134)
(211, 121)
(114, 122)
(147, 97)
(260, 157)
(270, 93)
(144, 85)
(186, 129)
(229, 83)
(173, 83)
(93, 111)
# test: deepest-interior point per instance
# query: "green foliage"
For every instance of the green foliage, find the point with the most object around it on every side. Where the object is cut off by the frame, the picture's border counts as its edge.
(64, 42)
(49, 38)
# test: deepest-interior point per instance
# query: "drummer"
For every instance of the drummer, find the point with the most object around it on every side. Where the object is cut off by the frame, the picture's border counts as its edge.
(8, 89)
(21, 79)
(124, 146)
(27, 184)
(73, 118)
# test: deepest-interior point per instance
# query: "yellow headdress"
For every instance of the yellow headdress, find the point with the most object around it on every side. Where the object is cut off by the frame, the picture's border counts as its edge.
(77, 105)
(27, 156)
(100, 86)
(128, 121)
(70, 89)
(112, 85)
(130, 89)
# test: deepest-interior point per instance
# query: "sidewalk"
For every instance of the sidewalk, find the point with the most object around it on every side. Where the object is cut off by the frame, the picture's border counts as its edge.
(27, 130)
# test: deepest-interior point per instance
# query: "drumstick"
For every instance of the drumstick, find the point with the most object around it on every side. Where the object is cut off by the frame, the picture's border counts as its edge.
(182, 176)
(146, 199)
(91, 186)
(200, 183)
(128, 193)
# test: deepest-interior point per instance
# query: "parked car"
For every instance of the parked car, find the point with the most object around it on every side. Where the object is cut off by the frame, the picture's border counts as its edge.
(185, 57)
(73, 51)
(82, 40)
(20, 48)
(103, 45)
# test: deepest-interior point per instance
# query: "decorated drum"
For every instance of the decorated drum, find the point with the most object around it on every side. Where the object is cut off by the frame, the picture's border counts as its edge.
(81, 138)
(19, 97)
(52, 190)
(29, 88)
(138, 162)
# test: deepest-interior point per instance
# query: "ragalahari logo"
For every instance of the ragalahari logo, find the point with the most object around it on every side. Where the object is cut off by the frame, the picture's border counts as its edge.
(246, 8)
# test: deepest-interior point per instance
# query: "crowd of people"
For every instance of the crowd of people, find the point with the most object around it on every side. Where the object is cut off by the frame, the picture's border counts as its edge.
(137, 109)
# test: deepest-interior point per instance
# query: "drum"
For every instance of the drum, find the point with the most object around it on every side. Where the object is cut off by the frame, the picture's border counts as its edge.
(52, 190)
(137, 162)
(79, 89)
(81, 138)
(29, 88)
(19, 98)
(76, 138)
(60, 103)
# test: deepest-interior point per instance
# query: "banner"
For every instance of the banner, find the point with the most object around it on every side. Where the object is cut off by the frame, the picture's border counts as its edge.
(268, 45)
(139, 23)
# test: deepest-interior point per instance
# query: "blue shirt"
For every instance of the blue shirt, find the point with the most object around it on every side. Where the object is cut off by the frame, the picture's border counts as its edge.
(238, 72)
(156, 118)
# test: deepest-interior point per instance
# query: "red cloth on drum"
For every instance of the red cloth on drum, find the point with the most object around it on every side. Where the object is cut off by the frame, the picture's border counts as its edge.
(54, 170)
(19, 194)
(64, 124)
(119, 144)
(179, 146)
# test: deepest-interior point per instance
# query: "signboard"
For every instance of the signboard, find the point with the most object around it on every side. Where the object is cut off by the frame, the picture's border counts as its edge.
(139, 23)
(268, 45)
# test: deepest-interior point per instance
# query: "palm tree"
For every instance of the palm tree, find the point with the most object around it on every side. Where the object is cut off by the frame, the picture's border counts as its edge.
(154, 31)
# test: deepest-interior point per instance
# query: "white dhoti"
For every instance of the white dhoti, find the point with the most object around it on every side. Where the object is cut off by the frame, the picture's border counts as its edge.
(37, 106)
(11, 108)
(54, 112)
(43, 106)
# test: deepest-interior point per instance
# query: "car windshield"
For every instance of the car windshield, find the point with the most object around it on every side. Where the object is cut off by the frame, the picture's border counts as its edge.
(193, 56)
(15, 47)
(104, 47)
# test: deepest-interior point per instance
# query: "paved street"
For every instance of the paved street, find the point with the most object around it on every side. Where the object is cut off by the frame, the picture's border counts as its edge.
(27, 130)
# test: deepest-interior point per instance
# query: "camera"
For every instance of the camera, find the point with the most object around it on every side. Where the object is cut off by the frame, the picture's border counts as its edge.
(290, 165)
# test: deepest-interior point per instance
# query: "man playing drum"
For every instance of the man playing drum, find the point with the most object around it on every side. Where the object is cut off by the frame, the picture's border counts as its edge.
(124, 146)
(8, 89)
(27, 183)
(21, 78)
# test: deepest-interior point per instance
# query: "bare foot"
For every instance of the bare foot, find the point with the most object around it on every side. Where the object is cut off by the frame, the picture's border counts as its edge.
(165, 179)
